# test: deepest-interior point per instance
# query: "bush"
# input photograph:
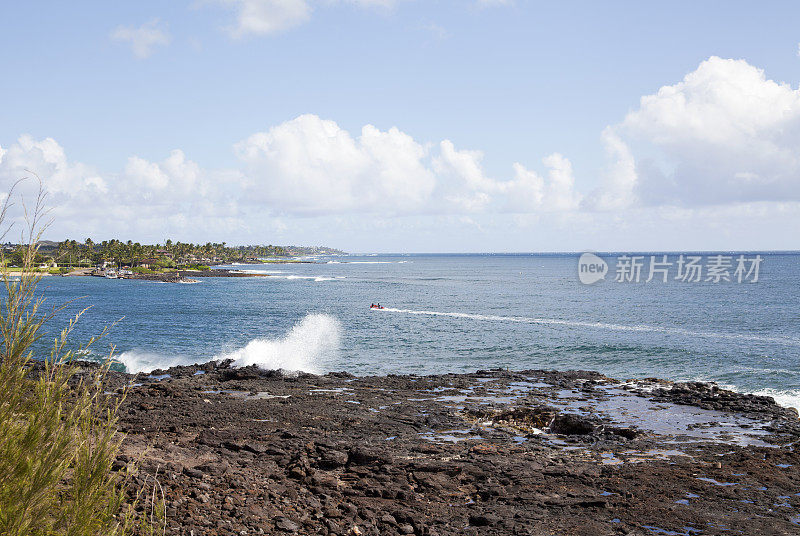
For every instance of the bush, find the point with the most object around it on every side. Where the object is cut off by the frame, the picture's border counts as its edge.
(58, 429)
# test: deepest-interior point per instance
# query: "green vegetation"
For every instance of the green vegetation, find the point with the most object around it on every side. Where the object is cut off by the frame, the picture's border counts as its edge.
(150, 256)
(154, 257)
(201, 267)
(58, 429)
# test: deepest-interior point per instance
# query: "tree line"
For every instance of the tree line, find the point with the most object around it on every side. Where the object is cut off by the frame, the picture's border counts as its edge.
(74, 253)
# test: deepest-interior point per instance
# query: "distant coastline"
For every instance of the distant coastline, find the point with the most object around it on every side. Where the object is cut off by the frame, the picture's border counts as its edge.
(167, 262)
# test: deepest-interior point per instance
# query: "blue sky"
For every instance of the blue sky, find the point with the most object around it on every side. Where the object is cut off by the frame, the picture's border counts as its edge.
(251, 93)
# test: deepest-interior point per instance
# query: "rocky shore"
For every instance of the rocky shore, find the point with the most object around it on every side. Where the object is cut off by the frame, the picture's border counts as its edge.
(188, 276)
(244, 451)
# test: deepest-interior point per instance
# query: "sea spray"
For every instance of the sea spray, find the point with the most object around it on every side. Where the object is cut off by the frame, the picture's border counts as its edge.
(137, 361)
(310, 343)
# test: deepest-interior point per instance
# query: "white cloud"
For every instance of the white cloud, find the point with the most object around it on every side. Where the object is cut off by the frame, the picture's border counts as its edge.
(530, 192)
(264, 17)
(619, 181)
(174, 194)
(304, 167)
(722, 143)
(309, 165)
(144, 39)
(46, 158)
(724, 134)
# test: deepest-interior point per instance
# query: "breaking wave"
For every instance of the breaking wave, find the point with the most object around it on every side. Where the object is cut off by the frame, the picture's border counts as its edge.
(311, 342)
(785, 398)
(308, 346)
(137, 361)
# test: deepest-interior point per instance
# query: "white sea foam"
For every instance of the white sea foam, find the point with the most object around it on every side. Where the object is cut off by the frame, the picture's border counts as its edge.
(786, 398)
(317, 278)
(311, 342)
(368, 262)
(790, 341)
(137, 361)
(261, 271)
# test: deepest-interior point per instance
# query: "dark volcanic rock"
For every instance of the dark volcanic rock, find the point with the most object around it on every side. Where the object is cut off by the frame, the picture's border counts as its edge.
(569, 424)
(245, 451)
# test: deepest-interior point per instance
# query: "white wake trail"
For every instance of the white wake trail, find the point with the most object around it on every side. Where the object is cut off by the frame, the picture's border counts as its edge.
(790, 341)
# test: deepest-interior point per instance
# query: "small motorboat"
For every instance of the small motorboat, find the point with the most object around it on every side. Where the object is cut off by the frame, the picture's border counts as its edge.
(376, 306)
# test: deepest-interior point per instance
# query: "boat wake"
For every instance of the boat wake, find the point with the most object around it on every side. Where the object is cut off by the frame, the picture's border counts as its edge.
(788, 341)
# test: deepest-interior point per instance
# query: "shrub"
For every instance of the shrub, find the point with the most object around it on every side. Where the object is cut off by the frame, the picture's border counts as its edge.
(58, 428)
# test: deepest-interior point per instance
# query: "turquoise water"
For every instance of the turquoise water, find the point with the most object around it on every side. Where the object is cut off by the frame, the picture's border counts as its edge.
(454, 313)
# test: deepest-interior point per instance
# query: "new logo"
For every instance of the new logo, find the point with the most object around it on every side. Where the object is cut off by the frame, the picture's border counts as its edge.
(591, 268)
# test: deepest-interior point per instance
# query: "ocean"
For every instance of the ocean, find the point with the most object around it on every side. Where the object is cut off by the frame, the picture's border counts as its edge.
(459, 313)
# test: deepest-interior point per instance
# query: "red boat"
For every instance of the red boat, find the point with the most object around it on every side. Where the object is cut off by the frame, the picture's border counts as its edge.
(376, 306)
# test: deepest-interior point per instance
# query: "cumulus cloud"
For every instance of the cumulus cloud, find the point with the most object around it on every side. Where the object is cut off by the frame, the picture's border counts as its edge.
(468, 188)
(172, 194)
(144, 39)
(724, 134)
(263, 17)
(309, 165)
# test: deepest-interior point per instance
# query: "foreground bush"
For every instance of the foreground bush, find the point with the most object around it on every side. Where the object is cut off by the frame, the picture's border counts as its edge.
(58, 430)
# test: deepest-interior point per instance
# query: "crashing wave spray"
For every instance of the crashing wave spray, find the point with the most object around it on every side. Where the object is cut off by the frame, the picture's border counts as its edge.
(310, 342)
(137, 361)
(306, 347)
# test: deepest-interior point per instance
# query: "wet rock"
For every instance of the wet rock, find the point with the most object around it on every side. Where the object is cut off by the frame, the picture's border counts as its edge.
(627, 433)
(570, 424)
(315, 463)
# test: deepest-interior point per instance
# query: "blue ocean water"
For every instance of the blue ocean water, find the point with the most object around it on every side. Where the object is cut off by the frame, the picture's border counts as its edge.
(456, 313)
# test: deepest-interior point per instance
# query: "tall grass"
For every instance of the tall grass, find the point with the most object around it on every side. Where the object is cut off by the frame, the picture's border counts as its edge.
(58, 429)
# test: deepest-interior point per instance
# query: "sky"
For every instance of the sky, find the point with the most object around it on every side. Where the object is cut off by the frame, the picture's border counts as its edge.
(406, 125)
